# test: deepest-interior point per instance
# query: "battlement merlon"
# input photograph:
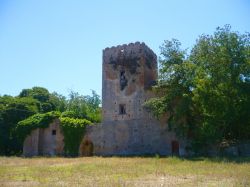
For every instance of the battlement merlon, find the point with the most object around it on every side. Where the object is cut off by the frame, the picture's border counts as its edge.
(131, 50)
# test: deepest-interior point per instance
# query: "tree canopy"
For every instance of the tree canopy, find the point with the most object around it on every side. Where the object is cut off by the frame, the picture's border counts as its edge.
(38, 101)
(206, 91)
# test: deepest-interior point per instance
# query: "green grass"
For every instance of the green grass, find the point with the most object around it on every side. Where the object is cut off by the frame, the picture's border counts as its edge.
(124, 171)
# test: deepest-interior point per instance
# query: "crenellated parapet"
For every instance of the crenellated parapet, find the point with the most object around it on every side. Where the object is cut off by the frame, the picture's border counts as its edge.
(128, 51)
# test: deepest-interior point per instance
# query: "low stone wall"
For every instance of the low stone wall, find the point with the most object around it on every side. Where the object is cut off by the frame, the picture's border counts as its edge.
(132, 137)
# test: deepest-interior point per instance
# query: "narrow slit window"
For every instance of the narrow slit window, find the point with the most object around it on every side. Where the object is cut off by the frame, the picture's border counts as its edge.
(122, 109)
(123, 80)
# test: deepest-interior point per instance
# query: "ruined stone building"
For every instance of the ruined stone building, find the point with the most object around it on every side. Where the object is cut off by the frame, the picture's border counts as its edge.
(128, 73)
(48, 141)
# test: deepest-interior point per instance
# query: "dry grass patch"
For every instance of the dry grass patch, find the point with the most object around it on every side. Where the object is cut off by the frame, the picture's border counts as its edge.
(115, 171)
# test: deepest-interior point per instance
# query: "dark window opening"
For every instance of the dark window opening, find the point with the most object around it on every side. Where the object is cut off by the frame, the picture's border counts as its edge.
(122, 109)
(53, 132)
(175, 148)
(123, 80)
(122, 74)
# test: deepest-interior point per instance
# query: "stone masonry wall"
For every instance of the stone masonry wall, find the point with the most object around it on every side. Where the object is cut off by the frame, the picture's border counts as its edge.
(137, 137)
(30, 145)
(129, 71)
(48, 141)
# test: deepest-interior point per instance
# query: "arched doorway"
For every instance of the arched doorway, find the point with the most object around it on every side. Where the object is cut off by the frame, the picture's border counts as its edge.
(86, 148)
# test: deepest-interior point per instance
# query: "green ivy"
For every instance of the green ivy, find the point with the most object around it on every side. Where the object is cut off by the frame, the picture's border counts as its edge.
(73, 131)
(25, 127)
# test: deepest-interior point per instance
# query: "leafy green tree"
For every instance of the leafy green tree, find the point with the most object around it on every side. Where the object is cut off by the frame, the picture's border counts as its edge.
(174, 88)
(77, 105)
(42, 95)
(13, 110)
(84, 107)
(39, 93)
(206, 92)
(93, 109)
(221, 93)
(3, 132)
(48, 101)
(59, 101)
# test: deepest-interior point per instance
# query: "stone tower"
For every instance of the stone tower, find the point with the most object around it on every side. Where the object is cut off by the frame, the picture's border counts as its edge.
(129, 71)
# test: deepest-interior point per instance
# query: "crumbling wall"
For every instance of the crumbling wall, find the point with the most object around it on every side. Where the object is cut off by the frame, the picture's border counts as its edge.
(30, 145)
(128, 72)
(47, 141)
(132, 137)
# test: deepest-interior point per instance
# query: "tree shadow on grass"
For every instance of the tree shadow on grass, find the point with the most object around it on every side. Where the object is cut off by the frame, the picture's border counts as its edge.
(217, 159)
(238, 160)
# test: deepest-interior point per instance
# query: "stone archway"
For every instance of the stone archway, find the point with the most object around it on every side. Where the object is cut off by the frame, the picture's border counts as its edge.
(86, 148)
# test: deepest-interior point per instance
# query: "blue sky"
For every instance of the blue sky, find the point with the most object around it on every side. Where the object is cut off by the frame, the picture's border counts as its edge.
(57, 44)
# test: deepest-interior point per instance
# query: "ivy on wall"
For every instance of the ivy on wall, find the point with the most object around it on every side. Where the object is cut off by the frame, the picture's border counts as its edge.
(25, 127)
(73, 129)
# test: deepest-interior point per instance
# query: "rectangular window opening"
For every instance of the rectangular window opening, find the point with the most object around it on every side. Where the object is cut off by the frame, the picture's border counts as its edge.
(53, 132)
(122, 109)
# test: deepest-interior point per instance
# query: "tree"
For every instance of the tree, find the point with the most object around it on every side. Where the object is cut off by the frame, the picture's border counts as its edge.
(221, 93)
(76, 106)
(39, 93)
(84, 107)
(13, 110)
(59, 101)
(93, 109)
(206, 93)
(48, 101)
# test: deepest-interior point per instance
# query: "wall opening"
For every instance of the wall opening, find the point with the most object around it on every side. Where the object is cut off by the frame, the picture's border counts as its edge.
(175, 148)
(122, 109)
(53, 132)
(86, 148)
(123, 80)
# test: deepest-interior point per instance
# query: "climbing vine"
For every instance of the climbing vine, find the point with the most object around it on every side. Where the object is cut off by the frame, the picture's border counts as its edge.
(25, 127)
(73, 131)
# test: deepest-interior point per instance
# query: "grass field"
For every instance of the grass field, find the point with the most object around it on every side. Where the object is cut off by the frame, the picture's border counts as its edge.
(132, 171)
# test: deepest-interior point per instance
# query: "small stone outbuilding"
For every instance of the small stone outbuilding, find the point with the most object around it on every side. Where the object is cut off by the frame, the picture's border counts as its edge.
(45, 141)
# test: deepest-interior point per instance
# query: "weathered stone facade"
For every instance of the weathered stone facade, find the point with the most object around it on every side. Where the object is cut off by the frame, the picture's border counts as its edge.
(47, 141)
(129, 72)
